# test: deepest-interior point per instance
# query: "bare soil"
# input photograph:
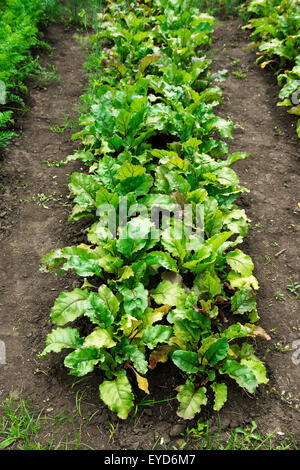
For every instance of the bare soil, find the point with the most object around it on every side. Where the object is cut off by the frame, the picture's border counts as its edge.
(28, 231)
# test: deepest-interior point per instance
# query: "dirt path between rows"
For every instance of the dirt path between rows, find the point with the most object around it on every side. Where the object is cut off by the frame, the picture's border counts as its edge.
(272, 175)
(28, 231)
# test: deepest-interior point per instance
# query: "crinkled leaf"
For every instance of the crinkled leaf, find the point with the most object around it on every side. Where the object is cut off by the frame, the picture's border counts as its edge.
(69, 306)
(186, 361)
(169, 293)
(104, 306)
(240, 262)
(240, 373)
(108, 173)
(244, 300)
(220, 391)
(62, 338)
(128, 170)
(238, 330)
(134, 236)
(217, 351)
(83, 360)
(135, 300)
(105, 197)
(51, 260)
(122, 121)
(138, 358)
(84, 187)
(156, 334)
(160, 354)
(83, 266)
(161, 258)
(236, 280)
(257, 368)
(117, 395)
(100, 338)
(190, 400)
(173, 243)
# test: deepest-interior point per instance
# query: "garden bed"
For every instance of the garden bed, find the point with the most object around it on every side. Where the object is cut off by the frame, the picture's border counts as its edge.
(29, 230)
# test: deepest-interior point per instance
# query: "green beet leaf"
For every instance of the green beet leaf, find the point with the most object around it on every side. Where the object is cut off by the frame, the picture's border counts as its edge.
(190, 400)
(100, 338)
(103, 307)
(62, 338)
(157, 334)
(186, 361)
(217, 351)
(84, 187)
(162, 259)
(128, 170)
(69, 306)
(122, 121)
(240, 262)
(135, 299)
(83, 266)
(257, 367)
(169, 293)
(168, 276)
(220, 391)
(244, 300)
(117, 395)
(103, 196)
(108, 173)
(241, 374)
(83, 360)
(51, 260)
(124, 351)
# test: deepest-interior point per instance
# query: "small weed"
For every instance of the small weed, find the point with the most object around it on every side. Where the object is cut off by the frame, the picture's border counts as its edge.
(18, 423)
(60, 128)
(181, 445)
(287, 398)
(56, 129)
(197, 432)
(79, 396)
(23, 426)
(293, 288)
(239, 126)
(248, 438)
(268, 350)
(278, 131)
(55, 163)
(280, 347)
(112, 431)
(279, 296)
(42, 199)
(148, 402)
(46, 76)
(235, 62)
(240, 74)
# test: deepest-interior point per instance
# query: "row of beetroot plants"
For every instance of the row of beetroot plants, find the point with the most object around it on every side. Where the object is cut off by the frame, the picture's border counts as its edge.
(162, 277)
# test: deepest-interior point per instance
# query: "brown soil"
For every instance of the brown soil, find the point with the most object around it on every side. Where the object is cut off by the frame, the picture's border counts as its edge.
(28, 231)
